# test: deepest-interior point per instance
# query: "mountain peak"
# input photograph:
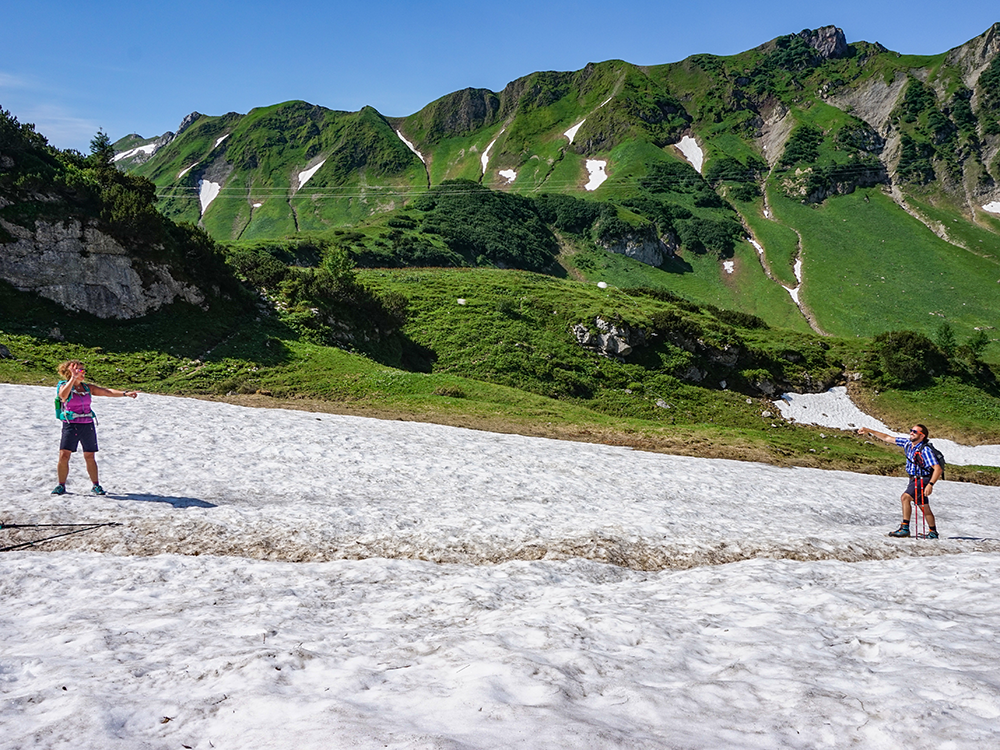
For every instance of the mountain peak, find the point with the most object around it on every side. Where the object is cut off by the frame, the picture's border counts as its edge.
(828, 41)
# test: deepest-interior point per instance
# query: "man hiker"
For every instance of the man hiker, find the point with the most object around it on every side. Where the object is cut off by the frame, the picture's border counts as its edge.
(923, 469)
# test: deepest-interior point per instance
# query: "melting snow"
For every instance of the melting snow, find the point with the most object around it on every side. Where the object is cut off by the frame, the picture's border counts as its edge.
(459, 588)
(836, 410)
(207, 192)
(411, 147)
(597, 174)
(508, 174)
(571, 133)
(752, 241)
(306, 174)
(692, 151)
(149, 148)
(221, 139)
(484, 159)
(186, 170)
(993, 207)
(729, 265)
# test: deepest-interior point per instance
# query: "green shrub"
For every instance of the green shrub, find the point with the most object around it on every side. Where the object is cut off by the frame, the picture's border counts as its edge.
(566, 213)
(903, 359)
(802, 146)
(499, 228)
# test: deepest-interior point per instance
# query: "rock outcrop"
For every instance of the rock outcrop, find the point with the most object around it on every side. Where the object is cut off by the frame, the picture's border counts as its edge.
(828, 41)
(76, 265)
(611, 339)
(644, 247)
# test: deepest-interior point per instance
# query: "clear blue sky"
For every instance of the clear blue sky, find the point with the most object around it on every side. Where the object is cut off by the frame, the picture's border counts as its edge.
(72, 67)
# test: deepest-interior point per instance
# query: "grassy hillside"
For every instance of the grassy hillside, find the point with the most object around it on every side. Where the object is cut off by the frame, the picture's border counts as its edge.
(865, 262)
(505, 359)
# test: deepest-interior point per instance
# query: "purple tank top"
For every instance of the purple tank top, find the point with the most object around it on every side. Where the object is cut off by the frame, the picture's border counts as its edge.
(79, 403)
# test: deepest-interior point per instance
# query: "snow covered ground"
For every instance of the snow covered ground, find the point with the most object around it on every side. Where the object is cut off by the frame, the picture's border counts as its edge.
(571, 133)
(286, 579)
(485, 158)
(186, 170)
(835, 409)
(993, 207)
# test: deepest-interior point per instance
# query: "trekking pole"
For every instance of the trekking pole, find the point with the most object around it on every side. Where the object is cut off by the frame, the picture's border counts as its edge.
(76, 529)
(921, 522)
(55, 525)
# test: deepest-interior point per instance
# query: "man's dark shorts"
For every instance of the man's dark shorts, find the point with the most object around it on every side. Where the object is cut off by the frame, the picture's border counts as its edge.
(915, 489)
(81, 433)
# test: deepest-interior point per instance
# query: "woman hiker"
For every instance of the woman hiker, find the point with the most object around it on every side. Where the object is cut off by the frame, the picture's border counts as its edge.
(79, 427)
(923, 469)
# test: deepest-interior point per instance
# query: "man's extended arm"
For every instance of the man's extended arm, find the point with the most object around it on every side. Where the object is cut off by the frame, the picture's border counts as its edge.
(875, 433)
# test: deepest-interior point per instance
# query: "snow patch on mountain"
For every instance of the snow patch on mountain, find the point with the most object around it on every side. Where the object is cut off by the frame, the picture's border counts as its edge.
(186, 170)
(571, 133)
(596, 168)
(308, 173)
(689, 147)
(411, 147)
(148, 150)
(486, 154)
(993, 207)
(208, 191)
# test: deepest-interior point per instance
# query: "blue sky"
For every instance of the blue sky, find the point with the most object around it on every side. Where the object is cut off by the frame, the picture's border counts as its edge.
(72, 67)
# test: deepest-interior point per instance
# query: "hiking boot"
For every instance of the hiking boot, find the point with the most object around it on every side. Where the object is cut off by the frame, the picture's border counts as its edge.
(97, 490)
(902, 531)
(931, 535)
(60, 489)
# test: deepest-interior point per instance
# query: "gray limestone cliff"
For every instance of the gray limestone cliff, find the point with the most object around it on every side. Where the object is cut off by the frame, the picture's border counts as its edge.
(76, 265)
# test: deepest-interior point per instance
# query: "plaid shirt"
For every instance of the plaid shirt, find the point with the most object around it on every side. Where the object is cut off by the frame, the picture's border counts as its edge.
(922, 467)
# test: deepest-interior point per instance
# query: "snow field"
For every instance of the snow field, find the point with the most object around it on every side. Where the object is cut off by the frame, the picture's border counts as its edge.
(290, 579)
(835, 409)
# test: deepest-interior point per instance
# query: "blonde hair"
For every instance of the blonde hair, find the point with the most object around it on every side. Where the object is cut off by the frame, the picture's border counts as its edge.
(65, 369)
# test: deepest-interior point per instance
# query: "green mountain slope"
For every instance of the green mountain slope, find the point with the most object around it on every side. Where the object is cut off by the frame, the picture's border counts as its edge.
(631, 361)
(846, 161)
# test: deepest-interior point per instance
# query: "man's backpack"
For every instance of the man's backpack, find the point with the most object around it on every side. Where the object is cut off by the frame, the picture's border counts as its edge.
(938, 456)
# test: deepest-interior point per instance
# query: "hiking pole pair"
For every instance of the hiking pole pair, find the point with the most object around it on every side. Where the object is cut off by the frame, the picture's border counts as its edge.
(920, 525)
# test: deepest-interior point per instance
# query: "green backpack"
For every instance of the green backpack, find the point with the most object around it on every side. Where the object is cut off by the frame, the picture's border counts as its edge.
(63, 415)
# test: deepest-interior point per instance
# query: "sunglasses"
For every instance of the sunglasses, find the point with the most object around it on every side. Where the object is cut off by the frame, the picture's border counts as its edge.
(916, 432)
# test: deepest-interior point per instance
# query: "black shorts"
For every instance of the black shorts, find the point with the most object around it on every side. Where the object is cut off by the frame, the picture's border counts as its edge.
(79, 433)
(915, 489)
